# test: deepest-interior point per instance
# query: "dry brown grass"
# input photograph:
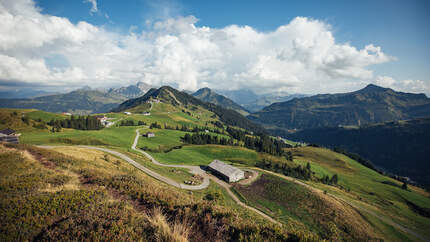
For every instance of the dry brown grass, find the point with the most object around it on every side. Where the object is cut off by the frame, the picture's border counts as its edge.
(73, 184)
(165, 232)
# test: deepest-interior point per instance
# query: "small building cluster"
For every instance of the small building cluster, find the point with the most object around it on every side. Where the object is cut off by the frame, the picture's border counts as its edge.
(101, 118)
(127, 113)
(9, 136)
(149, 134)
(227, 172)
(153, 100)
(104, 120)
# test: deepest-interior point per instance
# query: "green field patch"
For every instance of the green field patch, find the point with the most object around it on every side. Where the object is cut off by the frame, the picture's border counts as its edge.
(119, 136)
(205, 154)
(76, 141)
(45, 116)
(140, 109)
(163, 137)
(177, 174)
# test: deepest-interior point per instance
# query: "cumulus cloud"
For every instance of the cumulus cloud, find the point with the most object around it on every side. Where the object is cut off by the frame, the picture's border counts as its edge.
(416, 86)
(301, 56)
(94, 8)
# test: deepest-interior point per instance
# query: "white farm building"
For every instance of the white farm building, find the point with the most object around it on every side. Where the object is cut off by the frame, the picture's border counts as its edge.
(228, 172)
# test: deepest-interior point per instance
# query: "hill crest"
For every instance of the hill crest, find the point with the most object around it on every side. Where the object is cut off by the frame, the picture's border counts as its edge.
(169, 95)
(207, 95)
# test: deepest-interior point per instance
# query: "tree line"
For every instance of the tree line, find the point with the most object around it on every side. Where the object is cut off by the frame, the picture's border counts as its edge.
(203, 139)
(130, 122)
(76, 122)
(260, 143)
(282, 167)
(186, 128)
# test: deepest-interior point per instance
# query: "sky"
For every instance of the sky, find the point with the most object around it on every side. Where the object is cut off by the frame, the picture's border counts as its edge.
(280, 47)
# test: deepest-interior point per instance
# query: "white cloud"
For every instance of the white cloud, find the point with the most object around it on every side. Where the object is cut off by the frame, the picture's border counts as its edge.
(416, 86)
(94, 8)
(301, 56)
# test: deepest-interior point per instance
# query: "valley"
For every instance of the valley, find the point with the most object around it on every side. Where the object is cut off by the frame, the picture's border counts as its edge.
(111, 165)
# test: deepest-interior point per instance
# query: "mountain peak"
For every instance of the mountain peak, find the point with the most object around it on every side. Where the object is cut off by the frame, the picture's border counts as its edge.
(373, 88)
(207, 95)
(203, 90)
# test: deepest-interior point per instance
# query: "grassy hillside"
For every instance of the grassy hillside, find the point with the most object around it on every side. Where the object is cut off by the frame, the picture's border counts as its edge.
(367, 188)
(397, 147)
(373, 199)
(171, 96)
(26, 120)
(50, 196)
(323, 215)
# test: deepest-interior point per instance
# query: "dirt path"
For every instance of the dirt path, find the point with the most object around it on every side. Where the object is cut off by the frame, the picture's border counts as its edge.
(206, 177)
(193, 169)
(251, 179)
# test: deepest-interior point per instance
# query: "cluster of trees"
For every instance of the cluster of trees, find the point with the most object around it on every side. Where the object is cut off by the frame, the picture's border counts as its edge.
(218, 124)
(186, 128)
(202, 139)
(155, 126)
(260, 143)
(282, 167)
(26, 120)
(76, 122)
(131, 123)
(329, 181)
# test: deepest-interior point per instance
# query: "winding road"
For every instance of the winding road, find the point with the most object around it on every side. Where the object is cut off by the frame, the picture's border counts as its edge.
(198, 170)
(192, 169)
(206, 177)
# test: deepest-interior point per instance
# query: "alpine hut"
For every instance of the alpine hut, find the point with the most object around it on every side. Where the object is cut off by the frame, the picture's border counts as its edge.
(227, 172)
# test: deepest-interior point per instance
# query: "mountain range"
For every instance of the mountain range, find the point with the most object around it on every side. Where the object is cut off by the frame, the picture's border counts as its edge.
(82, 101)
(207, 95)
(371, 104)
(253, 102)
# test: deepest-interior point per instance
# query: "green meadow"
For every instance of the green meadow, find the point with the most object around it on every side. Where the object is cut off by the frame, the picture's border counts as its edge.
(366, 187)
(163, 137)
(45, 116)
(118, 136)
(205, 154)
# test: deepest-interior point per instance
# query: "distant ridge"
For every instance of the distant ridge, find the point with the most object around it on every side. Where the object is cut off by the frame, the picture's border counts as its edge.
(371, 104)
(207, 95)
(131, 91)
(81, 101)
(169, 95)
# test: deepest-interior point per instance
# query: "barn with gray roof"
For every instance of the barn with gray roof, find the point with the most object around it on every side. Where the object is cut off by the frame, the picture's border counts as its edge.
(227, 172)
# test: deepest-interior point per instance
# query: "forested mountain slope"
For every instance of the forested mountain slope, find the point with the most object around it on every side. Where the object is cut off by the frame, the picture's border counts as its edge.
(371, 104)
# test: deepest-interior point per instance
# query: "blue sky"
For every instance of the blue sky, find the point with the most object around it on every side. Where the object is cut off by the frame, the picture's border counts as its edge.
(399, 28)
